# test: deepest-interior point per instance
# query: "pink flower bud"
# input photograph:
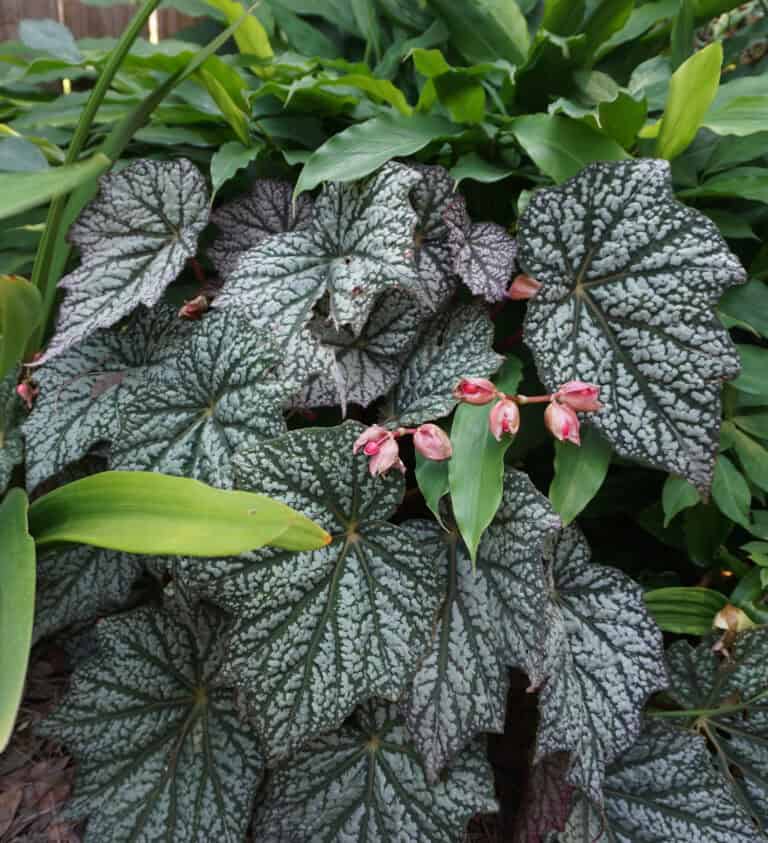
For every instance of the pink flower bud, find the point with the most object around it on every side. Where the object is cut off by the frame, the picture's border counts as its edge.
(432, 442)
(194, 308)
(563, 423)
(579, 396)
(385, 456)
(372, 436)
(504, 418)
(475, 390)
(523, 287)
(27, 391)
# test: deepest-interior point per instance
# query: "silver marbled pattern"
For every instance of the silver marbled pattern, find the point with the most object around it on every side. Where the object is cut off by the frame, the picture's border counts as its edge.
(11, 418)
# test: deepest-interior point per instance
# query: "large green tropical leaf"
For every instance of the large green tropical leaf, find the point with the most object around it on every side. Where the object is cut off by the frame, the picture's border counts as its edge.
(364, 783)
(162, 752)
(629, 281)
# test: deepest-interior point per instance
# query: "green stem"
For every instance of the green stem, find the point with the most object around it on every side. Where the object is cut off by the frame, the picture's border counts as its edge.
(689, 713)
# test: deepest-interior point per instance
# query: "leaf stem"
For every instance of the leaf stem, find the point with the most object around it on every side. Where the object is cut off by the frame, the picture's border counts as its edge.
(708, 712)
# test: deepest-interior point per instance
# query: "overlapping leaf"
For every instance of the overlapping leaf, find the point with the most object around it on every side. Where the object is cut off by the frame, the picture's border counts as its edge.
(490, 620)
(547, 801)
(268, 209)
(316, 633)
(454, 345)
(604, 658)
(162, 753)
(222, 390)
(701, 679)
(663, 789)
(11, 443)
(134, 240)
(78, 401)
(364, 783)
(629, 280)
(483, 253)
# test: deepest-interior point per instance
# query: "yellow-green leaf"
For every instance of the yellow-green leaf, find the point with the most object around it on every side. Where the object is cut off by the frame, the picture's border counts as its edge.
(250, 37)
(20, 312)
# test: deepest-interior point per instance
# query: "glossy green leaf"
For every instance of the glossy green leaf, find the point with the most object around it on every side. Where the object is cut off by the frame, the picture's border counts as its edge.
(755, 423)
(678, 494)
(472, 166)
(691, 91)
(145, 512)
(579, 473)
(685, 611)
(19, 155)
(747, 306)
(623, 117)
(681, 41)
(606, 18)
(706, 530)
(230, 158)
(731, 491)
(230, 109)
(563, 17)
(51, 37)
(432, 477)
(20, 312)
(17, 606)
(754, 366)
(753, 457)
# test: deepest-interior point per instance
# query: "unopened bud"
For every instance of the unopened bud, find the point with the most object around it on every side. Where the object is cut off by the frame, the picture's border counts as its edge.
(504, 418)
(194, 308)
(27, 391)
(579, 396)
(522, 287)
(475, 390)
(432, 442)
(562, 422)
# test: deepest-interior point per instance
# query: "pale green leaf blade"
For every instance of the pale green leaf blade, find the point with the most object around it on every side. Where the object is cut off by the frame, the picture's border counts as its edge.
(579, 473)
(684, 610)
(20, 313)
(432, 479)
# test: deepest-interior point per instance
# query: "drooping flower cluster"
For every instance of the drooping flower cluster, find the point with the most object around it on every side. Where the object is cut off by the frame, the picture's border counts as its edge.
(380, 445)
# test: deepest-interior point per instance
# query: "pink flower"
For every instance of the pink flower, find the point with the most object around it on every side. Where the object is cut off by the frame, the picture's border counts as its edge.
(194, 308)
(523, 287)
(380, 445)
(504, 418)
(373, 436)
(432, 442)
(579, 396)
(475, 390)
(27, 391)
(563, 423)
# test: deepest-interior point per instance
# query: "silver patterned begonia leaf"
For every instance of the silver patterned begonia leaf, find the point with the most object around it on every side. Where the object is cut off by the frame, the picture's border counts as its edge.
(358, 244)
(268, 209)
(483, 253)
(663, 790)
(700, 678)
(222, 390)
(162, 753)
(364, 784)
(454, 345)
(318, 632)
(11, 416)
(78, 402)
(490, 620)
(604, 659)
(134, 239)
(630, 277)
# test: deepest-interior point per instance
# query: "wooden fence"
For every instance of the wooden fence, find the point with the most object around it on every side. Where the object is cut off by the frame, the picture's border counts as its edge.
(83, 20)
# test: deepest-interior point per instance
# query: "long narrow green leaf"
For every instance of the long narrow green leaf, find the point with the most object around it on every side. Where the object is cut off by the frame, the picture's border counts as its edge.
(146, 512)
(20, 312)
(17, 606)
(579, 473)
(686, 611)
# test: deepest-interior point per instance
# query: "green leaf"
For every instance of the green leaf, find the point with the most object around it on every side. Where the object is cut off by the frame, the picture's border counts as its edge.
(731, 491)
(678, 494)
(692, 90)
(606, 18)
(251, 37)
(51, 37)
(681, 40)
(485, 30)
(231, 110)
(432, 478)
(742, 182)
(754, 365)
(20, 312)
(563, 17)
(155, 514)
(706, 530)
(17, 607)
(754, 423)
(386, 795)
(472, 166)
(160, 747)
(623, 117)
(22, 191)
(363, 148)
(18, 155)
(230, 158)
(684, 611)
(740, 108)
(579, 473)
(561, 147)
(747, 306)
(753, 457)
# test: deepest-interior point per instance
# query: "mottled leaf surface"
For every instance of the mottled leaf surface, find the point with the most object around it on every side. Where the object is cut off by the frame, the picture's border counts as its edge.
(316, 633)
(11, 442)
(629, 281)
(664, 789)
(268, 209)
(604, 659)
(222, 390)
(134, 240)
(455, 344)
(490, 619)
(162, 754)
(364, 783)
(483, 253)
(78, 401)
(700, 678)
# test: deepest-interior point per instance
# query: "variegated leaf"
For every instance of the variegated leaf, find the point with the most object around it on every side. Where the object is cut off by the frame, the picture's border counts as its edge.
(11, 415)
(358, 244)
(364, 783)
(78, 401)
(316, 633)
(604, 659)
(629, 281)
(455, 344)
(162, 753)
(268, 209)
(483, 253)
(134, 240)
(490, 620)
(222, 390)
(663, 790)
(547, 801)
(700, 678)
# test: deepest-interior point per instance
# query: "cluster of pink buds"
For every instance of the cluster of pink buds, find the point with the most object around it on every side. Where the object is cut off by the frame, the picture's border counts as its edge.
(28, 390)
(380, 446)
(559, 417)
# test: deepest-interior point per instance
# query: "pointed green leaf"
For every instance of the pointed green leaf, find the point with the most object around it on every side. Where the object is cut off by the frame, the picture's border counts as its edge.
(579, 473)
(20, 313)
(230, 159)
(432, 478)
(678, 494)
(731, 491)
(753, 457)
